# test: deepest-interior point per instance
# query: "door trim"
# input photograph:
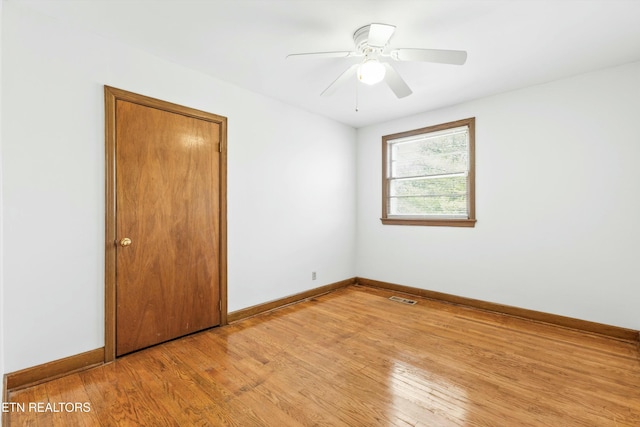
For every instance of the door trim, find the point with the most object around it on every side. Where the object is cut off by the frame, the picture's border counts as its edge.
(111, 95)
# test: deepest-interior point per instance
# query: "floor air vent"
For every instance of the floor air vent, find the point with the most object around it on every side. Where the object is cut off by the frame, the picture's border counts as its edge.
(403, 300)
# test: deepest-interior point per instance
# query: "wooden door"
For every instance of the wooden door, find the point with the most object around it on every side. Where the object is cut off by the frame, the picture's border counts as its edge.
(167, 224)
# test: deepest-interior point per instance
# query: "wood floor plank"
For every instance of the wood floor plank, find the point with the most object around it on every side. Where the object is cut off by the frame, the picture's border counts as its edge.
(24, 416)
(69, 397)
(354, 358)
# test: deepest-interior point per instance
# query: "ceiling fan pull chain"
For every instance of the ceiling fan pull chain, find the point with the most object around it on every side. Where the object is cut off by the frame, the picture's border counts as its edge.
(357, 84)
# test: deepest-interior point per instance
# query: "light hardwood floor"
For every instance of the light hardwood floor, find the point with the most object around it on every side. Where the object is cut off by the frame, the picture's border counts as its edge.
(354, 358)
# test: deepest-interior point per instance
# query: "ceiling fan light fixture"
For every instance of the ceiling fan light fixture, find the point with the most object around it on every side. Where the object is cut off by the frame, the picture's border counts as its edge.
(371, 71)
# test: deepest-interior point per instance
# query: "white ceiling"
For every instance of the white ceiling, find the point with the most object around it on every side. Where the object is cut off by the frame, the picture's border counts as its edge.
(510, 44)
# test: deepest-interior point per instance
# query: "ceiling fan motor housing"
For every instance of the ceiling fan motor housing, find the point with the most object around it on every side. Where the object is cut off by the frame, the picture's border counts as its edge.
(361, 41)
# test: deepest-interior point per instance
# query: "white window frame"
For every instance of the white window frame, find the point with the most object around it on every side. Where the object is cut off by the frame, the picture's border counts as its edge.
(468, 220)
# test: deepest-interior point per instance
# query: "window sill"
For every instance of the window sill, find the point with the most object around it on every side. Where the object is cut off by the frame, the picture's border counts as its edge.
(430, 222)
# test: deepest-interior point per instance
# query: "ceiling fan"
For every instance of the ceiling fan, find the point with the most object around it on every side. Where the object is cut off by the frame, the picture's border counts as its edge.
(371, 45)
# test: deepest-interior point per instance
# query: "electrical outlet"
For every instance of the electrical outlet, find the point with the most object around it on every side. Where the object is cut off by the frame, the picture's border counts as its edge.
(313, 275)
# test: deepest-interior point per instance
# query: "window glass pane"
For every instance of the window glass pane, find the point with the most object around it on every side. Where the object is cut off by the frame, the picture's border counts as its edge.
(442, 154)
(444, 206)
(428, 186)
(429, 196)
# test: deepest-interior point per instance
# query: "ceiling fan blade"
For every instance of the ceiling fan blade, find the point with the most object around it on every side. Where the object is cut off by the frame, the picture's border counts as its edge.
(455, 57)
(379, 34)
(395, 82)
(349, 72)
(338, 54)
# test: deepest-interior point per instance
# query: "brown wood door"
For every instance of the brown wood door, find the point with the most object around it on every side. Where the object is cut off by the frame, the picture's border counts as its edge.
(167, 170)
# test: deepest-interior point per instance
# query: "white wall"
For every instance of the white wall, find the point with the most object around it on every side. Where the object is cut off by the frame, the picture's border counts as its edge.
(558, 188)
(291, 184)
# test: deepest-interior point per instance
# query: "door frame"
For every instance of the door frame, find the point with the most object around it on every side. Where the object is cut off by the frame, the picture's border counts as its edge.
(111, 96)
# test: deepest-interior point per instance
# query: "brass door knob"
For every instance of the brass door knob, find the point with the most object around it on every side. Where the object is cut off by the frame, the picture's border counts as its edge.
(125, 242)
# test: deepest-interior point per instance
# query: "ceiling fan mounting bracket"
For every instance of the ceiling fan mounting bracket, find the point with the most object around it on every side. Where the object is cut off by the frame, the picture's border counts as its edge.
(360, 38)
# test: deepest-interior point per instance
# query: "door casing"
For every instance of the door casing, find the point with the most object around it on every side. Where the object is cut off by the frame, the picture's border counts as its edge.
(111, 95)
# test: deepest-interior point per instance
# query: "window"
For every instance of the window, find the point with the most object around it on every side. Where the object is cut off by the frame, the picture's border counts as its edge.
(429, 176)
